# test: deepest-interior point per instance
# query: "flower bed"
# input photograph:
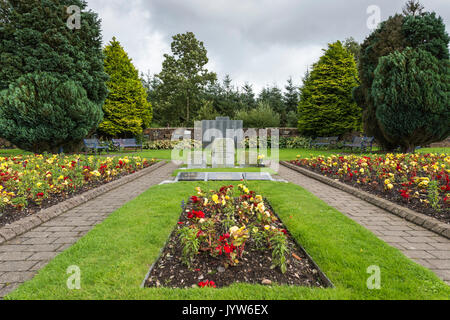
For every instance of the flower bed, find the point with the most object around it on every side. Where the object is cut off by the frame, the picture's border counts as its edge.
(418, 181)
(29, 183)
(221, 239)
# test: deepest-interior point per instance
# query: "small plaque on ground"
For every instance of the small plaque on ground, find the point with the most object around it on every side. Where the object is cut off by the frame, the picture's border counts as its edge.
(257, 176)
(191, 176)
(225, 176)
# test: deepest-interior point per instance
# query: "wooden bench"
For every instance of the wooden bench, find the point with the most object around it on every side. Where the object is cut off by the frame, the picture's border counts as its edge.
(362, 143)
(95, 144)
(127, 143)
(323, 141)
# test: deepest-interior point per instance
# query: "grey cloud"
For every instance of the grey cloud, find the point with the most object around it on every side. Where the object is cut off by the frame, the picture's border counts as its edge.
(248, 38)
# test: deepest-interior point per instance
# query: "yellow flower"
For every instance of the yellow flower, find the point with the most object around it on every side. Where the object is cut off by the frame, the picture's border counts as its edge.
(390, 186)
(215, 198)
(267, 227)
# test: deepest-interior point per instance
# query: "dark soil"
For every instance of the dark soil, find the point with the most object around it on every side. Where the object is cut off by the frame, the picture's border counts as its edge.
(253, 268)
(10, 214)
(393, 196)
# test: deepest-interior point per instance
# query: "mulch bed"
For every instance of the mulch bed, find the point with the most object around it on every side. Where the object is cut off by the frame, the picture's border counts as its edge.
(393, 196)
(254, 267)
(10, 214)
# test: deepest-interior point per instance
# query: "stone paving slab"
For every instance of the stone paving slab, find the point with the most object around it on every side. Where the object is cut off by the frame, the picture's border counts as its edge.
(22, 256)
(419, 244)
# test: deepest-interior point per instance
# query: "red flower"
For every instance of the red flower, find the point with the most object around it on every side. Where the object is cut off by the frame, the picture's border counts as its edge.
(200, 233)
(40, 194)
(180, 222)
(199, 214)
(206, 284)
(284, 231)
(223, 237)
(195, 199)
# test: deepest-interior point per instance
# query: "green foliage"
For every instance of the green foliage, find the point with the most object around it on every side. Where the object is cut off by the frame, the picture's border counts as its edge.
(206, 111)
(273, 97)
(126, 110)
(261, 117)
(34, 37)
(433, 195)
(415, 29)
(190, 243)
(292, 119)
(326, 105)
(52, 77)
(41, 113)
(411, 93)
(290, 99)
(279, 245)
(182, 79)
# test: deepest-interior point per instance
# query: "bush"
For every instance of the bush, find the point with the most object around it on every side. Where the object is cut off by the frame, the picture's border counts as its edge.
(411, 97)
(261, 117)
(41, 113)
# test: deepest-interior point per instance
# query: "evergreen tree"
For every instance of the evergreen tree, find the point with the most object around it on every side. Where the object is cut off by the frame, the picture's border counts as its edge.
(126, 110)
(354, 47)
(326, 106)
(39, 113)
(411, 90)
(37, 45)
(248, 97)
(290, 96)
(274, 98)
(419, 30)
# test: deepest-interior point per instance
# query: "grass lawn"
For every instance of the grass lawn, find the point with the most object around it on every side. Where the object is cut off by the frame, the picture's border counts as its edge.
(115, 256)
(251, 169)
(284, 154)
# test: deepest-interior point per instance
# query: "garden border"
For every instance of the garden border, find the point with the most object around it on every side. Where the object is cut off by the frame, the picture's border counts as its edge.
(21, 226)
(419, 219)
(322, 274)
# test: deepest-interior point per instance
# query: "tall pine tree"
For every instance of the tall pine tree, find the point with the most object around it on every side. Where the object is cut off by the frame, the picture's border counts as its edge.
(126, 110)
(326, 105)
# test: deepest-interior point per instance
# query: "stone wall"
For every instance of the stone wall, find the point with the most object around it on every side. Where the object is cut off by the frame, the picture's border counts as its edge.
(166, 133)
(5, 144)
(442, 144)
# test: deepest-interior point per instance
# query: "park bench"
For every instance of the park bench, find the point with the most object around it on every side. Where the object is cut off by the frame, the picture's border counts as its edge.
(127, 143)
(324, 141)
(95, 144)
(362, 143)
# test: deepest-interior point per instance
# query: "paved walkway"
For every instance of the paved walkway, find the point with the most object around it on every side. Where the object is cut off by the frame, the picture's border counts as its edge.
(424, 247)
(22, 257)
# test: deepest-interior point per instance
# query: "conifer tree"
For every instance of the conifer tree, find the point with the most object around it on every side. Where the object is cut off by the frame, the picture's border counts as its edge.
(126, 110)
(326, 105)
(40, 53)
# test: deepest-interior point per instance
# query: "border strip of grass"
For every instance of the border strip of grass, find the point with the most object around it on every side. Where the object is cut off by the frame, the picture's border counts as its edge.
(115, 256)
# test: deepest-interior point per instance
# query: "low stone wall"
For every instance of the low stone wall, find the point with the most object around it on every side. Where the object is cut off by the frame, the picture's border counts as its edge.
(166, 133)
(442, 144)
(5, 144)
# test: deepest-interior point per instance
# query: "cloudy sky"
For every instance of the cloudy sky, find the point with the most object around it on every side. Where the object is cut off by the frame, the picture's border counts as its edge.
(262, 42)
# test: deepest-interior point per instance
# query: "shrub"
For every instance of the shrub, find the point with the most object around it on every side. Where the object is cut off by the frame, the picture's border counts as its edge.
(40, 113)
(261, 117)
(411, 96)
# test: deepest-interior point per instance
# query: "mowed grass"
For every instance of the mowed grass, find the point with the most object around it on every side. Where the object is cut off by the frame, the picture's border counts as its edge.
(250, 169)
(115, 256)
(284, 154)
